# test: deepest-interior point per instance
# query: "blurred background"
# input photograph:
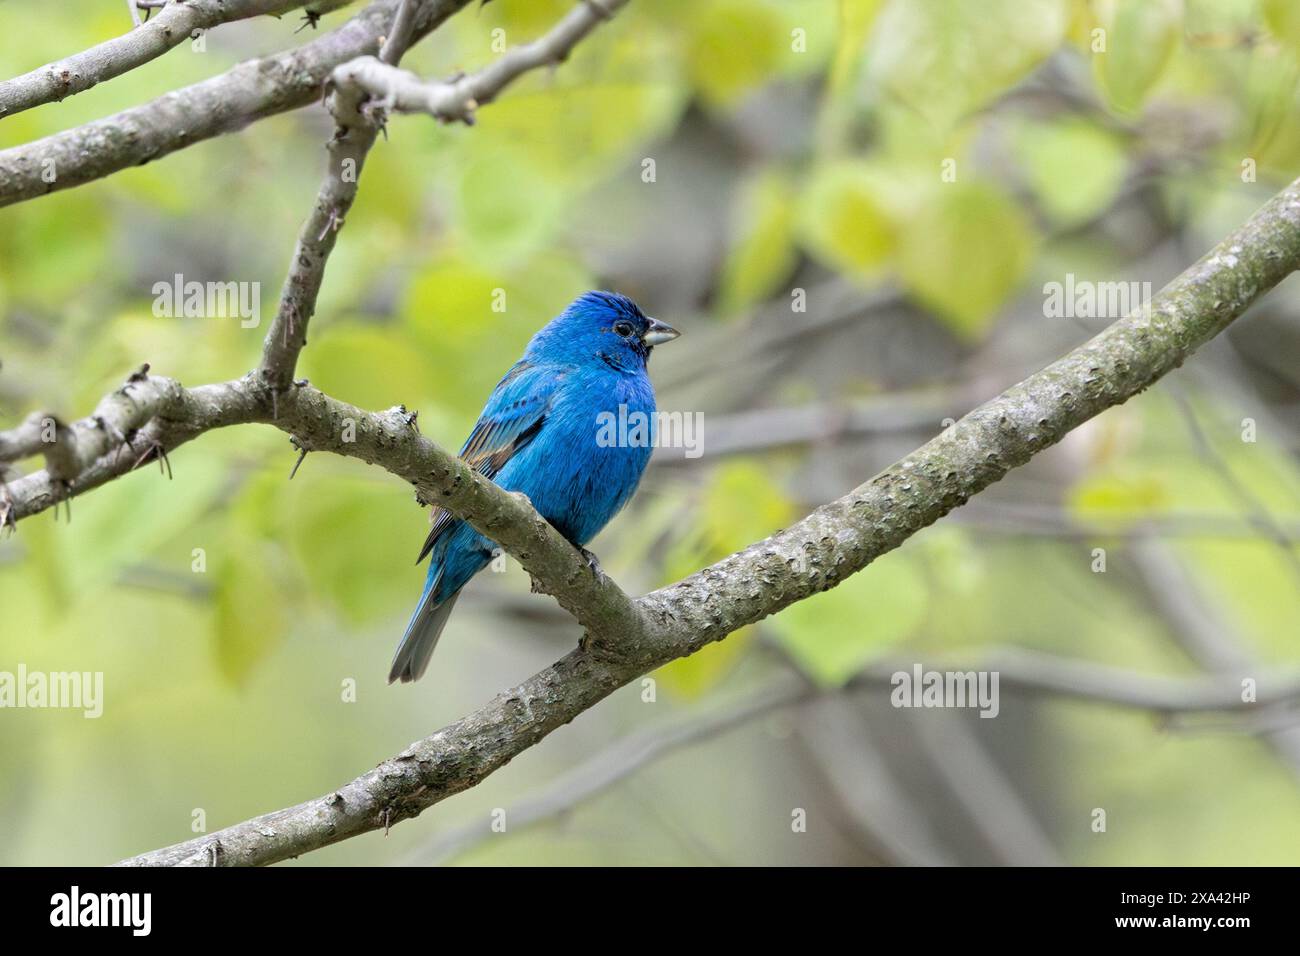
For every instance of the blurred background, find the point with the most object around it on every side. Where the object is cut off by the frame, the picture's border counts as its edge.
(852, 210)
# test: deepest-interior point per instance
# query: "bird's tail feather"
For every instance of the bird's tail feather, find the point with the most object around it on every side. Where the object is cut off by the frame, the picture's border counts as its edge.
(421, 638)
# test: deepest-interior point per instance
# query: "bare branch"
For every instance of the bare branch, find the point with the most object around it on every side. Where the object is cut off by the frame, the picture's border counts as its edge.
(1025, 671)
(173, 415)
(459, 99)
(223, 104)
(146, 41)
(362, 94)
(621, 760)
(354, 135)
(399, 37)
(28, 438)
(812, 555)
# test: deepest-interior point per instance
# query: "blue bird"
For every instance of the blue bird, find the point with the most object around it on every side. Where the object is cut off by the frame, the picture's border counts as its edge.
(544, 432)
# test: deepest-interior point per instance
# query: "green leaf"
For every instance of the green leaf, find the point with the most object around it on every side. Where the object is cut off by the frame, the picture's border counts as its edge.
(843, 223)
(741, 505)
(965, 252)
(1270, 92)
(947, 59)
(139, 518)
(1116, 501)
(476, 317)
(764, 254)
(856, 18)
(732, 47)
(832, 635)
(250, 619)
(1220, 22)
(53, 251)
(1140, 37)
(504, 206)
(577, 131)
(1074, 167)
(356, 541)
(1282, 17)
(370, 366)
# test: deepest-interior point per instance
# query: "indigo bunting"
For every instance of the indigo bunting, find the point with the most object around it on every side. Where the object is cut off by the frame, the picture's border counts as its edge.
(544, 433)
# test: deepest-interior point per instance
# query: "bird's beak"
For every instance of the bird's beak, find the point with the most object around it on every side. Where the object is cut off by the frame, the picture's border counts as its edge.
(657, 333)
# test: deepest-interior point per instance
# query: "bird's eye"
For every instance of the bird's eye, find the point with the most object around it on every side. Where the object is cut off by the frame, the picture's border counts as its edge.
(623, 328)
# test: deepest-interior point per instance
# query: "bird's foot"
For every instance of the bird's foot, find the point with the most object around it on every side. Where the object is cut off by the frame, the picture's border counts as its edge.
(593, 564)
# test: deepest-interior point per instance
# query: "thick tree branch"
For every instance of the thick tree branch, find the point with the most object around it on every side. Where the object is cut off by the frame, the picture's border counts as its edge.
(318, 423)
(245, 93)
(146, 41)
(1029, 672)
(813, 555)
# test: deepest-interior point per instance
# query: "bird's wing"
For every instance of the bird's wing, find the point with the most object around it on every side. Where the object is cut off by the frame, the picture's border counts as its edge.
(513, 416)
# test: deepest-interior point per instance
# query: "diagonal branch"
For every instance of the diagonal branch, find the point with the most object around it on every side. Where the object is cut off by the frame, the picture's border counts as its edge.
(146, 41)
(354, 135)
(1029, 672)
(315, 420)
(243, 94)
(320, 423)
(813, 555)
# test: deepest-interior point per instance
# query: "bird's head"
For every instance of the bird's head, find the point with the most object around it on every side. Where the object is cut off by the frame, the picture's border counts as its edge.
(601, 327)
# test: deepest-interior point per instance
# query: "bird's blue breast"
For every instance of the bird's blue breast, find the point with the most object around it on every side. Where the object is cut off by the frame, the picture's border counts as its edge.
(589, 457)
(579, 471)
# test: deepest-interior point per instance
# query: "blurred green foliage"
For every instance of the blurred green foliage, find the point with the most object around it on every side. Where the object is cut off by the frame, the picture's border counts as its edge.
(930, 150)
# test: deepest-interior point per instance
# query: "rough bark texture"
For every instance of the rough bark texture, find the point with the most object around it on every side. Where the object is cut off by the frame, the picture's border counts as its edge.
(174, 24)
(458, 99)
(247, 92)
(626, 639)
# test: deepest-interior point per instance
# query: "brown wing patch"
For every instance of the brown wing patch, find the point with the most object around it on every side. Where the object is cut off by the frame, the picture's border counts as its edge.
(492, 443)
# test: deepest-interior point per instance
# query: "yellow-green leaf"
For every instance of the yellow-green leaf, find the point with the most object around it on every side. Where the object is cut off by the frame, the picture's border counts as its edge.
(1075, 168)
(832, 635)
(965, 252)
(1140, 37)
(764, 253)
(843, 223)
(1282, 17)
(947, 59)
(733, 46)
(1116, 501)
(250, 620)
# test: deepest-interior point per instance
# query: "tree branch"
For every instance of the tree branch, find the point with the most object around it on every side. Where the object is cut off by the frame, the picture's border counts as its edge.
(458, 99)
(247, 92)
(363, 91)
(1026, 671)
(813, 555)
(146, 41)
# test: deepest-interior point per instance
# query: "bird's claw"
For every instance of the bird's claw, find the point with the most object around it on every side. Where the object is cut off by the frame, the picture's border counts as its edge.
(593, 564)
